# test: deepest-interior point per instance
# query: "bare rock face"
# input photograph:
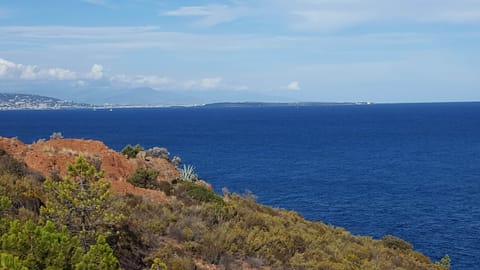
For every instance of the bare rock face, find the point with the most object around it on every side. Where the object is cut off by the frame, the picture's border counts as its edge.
(13, 146)
(51, 157)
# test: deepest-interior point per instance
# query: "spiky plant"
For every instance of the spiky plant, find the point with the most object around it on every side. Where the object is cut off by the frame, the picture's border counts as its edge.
(187, 173)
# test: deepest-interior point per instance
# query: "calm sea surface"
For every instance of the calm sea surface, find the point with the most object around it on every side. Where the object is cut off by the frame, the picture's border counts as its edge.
(411, 170)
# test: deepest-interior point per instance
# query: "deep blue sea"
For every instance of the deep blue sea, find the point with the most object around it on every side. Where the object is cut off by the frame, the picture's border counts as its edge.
(411, 170)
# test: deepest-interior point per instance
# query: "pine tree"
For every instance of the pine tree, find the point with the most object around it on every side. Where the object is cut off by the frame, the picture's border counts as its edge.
(10, 262)
(158, 265)
(39, 246)
(99, 256)
(79, 201)
(5, 204)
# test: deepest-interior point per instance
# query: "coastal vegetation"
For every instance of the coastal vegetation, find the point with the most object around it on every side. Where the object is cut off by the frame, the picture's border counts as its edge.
(145, 178)
(77, 222)
(131, 151)
(187, 173)
(56, 135)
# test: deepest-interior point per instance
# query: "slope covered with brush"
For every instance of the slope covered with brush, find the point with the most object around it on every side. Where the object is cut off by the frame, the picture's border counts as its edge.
(77, 221)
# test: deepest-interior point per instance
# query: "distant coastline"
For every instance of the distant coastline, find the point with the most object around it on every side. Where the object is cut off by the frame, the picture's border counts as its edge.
(13, 101)
(10, 101)
(281, 104)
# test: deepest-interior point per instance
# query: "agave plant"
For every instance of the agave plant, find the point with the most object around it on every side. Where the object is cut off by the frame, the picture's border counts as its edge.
(187, 173)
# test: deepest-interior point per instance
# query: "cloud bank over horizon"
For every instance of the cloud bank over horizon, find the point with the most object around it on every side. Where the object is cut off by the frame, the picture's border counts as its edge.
(30, 73)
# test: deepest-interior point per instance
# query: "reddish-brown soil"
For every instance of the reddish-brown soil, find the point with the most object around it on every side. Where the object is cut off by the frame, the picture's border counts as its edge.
(52, 156)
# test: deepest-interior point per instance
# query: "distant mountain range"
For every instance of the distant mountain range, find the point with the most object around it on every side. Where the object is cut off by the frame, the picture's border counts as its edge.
(142, 96)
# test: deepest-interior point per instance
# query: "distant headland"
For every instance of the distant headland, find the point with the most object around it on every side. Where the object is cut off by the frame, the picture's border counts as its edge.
(13, 101)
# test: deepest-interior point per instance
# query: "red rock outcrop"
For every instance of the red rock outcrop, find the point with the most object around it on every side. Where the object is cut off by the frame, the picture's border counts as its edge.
(51, 156)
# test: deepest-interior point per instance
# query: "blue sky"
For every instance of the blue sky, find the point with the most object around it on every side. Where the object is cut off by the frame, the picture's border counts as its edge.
(304, 50)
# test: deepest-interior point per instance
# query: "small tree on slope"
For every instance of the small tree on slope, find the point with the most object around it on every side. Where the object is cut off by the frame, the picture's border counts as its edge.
(79, 201)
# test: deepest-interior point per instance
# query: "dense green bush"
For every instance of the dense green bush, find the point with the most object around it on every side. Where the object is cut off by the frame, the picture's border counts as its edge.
(147, 178)
(10, 262)
(445, 261)
(41, 246)
(203, 194)
(5, 203)
(144, 178)
(395, 242)
(99, 256)
(132, 151)
(189, 192)
(32, 246)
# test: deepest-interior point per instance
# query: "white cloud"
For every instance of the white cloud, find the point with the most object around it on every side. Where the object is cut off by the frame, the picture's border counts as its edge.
(5, 67)
(108, 39)
(210, 82)
(96, 72)
(20, 72)
(57, 73)
(327, 20)
(210, 14)
(11, 70)
(154, 81)
(103, 41)
(331, 15)
(205, 83)
(190, 11)
(294, 86)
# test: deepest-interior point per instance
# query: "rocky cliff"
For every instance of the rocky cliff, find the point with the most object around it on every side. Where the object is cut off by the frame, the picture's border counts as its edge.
(51, 158)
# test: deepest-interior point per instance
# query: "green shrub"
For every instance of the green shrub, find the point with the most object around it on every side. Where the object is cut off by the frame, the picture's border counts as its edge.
(8, 164)
(8, 261)
(132, 151)
(445, 262)
(203, 194)
(41, 246)
(99, 256)
(391, 241)
(158, 265)
(180, 263)
(144, 178)
(5, 204)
